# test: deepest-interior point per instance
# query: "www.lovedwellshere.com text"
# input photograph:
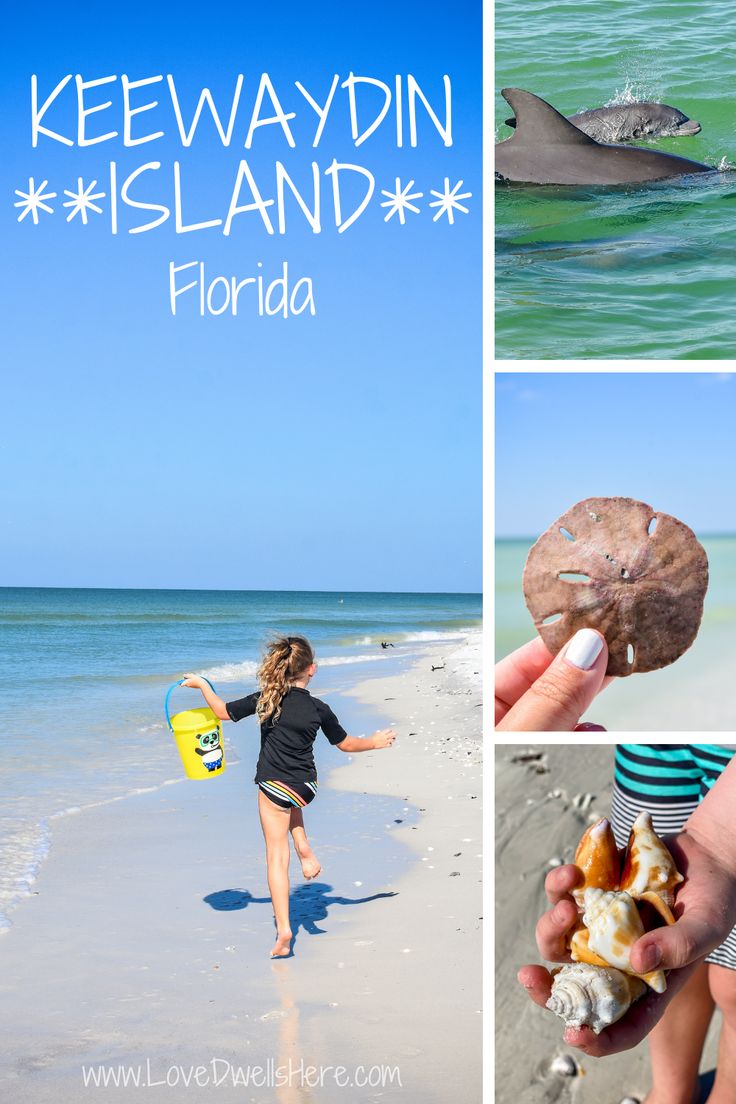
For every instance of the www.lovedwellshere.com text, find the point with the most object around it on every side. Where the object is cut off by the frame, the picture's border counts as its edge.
(334, 194)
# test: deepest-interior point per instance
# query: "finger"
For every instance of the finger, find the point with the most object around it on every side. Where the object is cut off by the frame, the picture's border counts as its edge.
(560, 696)
(675, 946)
(561, 881)
(537, 981)
(589, 727)
(517, 672)
(552, 931)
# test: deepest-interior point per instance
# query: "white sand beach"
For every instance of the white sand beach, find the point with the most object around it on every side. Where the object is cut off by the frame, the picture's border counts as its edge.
(143, 948)
(546, 795)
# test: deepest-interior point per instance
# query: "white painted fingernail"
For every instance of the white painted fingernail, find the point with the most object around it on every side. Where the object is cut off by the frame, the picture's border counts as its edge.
(584, 649)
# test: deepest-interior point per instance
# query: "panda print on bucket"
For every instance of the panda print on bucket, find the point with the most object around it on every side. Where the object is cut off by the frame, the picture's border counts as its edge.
(210, 749)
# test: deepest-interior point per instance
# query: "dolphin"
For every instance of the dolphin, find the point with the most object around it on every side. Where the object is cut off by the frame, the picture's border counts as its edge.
(622, 122)
(546, 148)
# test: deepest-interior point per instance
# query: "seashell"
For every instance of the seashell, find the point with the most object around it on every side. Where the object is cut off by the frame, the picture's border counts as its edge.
(600, 985)
(642, 587)
(580, 949)
(564, 1065)
(592, 996)
(597, 856)
(613, 926)
(649, 872)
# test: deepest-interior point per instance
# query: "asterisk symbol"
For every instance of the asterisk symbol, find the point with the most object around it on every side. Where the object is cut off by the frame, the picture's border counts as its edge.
(81, 200)
(447, 201)
(32, 200)
(398, 202)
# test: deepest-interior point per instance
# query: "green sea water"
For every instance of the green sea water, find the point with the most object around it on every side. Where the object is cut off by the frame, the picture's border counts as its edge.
(623, 272)
(693, 694)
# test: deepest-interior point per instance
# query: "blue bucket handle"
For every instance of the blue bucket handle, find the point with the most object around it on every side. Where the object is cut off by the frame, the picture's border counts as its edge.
(168, 695)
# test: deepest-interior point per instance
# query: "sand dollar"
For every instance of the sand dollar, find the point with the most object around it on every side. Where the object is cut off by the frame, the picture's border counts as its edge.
(619, 566)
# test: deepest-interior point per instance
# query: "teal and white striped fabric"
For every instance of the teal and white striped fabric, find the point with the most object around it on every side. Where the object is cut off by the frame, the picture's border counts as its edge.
(669, 781)
(663, 773)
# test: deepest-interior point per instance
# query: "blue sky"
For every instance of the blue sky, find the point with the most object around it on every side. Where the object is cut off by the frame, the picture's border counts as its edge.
(340, 451)
(664, 438)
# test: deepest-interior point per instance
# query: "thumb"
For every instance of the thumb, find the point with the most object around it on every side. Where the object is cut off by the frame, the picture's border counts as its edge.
(672, 947)
(560, 696)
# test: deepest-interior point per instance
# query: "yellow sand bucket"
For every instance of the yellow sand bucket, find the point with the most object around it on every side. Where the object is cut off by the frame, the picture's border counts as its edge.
(198, 735)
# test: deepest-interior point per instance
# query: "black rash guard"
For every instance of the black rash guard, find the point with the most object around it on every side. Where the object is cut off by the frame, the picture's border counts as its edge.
(286, 746)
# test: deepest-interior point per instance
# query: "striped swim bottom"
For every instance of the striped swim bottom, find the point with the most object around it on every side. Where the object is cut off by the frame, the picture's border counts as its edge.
(669, 781)
(289, 795)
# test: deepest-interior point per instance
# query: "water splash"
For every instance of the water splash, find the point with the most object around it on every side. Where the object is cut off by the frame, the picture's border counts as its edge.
(643, 79)
(627, 95)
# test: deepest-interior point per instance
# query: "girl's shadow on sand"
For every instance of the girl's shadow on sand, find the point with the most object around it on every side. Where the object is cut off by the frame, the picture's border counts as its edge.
(308, 904)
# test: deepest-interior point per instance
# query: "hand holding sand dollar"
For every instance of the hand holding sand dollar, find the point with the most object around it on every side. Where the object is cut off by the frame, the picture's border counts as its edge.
(614, 588)
(617, 565)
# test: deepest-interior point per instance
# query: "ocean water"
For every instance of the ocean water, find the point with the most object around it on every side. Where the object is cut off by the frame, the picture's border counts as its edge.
(692, 694)
(85, 673)
(624, 272)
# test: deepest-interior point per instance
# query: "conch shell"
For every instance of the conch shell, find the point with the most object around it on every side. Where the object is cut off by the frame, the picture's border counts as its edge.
(597, 856)
(612, 925)
(649, 872)
(591, 996)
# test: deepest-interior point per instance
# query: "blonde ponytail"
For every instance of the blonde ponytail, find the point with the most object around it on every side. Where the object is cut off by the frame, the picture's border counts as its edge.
(285, 660)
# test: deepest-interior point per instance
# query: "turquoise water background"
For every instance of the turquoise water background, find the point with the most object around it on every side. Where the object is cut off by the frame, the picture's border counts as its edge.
(634, 272)
(85, 673)
(692, 694)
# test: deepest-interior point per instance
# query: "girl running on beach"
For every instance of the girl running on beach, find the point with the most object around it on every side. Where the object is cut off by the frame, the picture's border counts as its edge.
(285, 774)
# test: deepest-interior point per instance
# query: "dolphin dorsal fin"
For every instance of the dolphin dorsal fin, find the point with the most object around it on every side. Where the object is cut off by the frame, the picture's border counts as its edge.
(539, 123)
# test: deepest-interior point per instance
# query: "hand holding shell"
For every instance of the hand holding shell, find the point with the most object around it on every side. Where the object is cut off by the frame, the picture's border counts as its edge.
(619, 902)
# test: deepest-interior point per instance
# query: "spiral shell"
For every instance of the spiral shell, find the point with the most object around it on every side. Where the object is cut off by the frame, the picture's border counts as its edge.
(592, 996)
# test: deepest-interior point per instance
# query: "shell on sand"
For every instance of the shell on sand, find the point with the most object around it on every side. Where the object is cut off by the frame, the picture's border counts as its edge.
(591, 996)
(564, 1065)
(641, 580)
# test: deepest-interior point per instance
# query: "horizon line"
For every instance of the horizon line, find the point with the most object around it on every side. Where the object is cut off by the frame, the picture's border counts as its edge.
(525, 537)
(238, 590)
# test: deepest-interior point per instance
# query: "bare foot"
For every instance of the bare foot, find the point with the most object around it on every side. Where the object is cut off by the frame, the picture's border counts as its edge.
(282, 946)
(310, 864)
